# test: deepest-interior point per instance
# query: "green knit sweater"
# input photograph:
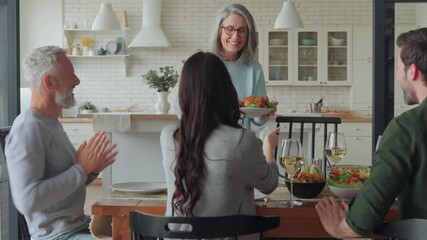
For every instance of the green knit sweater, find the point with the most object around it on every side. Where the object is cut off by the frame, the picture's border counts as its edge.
(399, 170)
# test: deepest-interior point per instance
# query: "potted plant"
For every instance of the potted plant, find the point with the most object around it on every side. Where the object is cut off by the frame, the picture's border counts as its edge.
(87, 107)
(162, 81)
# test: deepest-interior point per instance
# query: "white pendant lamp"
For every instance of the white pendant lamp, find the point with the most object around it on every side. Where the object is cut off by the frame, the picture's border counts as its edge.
(106, 19)
(288, 17)
(151, 33)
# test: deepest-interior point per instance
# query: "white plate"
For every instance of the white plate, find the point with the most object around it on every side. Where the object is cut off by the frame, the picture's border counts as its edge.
(139, 187)
(111, 47)
(255, 112)
(259, 195)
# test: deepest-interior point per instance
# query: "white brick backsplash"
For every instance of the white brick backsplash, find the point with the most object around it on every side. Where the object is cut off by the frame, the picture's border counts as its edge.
(188, 24)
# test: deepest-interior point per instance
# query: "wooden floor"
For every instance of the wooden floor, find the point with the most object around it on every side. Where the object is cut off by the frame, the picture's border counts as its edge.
(93, 194)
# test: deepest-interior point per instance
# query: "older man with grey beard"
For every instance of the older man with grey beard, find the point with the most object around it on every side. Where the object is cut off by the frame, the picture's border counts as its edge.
(48, 177)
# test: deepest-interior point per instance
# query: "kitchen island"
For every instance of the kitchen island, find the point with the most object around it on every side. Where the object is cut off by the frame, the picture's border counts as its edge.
(137, 136)
(138, 139)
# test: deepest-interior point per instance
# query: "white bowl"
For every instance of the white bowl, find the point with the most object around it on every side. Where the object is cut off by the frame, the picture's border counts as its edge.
(277, 41)
(344, 193)
(335, 41)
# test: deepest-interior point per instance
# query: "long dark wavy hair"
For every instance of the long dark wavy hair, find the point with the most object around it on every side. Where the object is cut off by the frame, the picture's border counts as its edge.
(207, 99)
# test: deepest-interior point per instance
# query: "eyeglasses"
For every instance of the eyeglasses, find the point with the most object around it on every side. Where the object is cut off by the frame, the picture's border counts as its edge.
(241, 31)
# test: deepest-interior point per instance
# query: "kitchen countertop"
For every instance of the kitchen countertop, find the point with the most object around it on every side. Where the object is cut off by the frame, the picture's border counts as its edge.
(87, 118)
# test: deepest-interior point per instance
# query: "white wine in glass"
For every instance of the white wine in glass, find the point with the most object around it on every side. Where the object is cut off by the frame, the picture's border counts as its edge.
(335, 148)
(291, 160)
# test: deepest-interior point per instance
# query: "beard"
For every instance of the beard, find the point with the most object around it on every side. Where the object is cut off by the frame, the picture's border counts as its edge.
(409, 95)
(65, 99)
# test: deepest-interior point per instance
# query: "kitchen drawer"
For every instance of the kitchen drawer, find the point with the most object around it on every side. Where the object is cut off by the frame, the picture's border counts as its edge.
(358, 138)
(359, 151)
(78, 129)
(77, 141)
(350, 129)
(356, 129)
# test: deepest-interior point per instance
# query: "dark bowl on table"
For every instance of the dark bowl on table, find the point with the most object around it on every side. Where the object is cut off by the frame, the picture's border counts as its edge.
(306, 190)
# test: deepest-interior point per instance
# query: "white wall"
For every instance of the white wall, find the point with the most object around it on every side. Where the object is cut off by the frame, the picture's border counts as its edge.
(40, 25)
(187, 24)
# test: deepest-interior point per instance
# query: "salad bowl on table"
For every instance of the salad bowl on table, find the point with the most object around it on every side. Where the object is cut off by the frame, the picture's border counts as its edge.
(346, 181)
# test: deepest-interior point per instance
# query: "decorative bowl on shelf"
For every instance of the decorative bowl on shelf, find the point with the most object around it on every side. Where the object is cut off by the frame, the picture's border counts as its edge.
(277, 41)
(335, 41)
(308, 42)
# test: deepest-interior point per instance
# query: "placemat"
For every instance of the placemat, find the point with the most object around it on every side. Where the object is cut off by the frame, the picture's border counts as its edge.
(281, 193)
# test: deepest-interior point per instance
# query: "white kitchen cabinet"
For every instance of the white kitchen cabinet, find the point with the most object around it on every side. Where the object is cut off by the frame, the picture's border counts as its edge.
(361, 89)
(337, 55)
(314, 57)
(358, 137)
(78, 132)
(308, 57)
(279, 44)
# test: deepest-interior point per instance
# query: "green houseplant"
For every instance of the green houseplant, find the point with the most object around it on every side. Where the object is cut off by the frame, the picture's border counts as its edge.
(87, 107)
(162, 81)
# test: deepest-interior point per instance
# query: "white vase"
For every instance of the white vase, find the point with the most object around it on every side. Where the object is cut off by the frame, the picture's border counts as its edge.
(162, 104)
(86, 111)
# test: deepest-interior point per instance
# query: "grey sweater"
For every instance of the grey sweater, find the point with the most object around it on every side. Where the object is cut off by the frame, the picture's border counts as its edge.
(235, 165)
(47, 186)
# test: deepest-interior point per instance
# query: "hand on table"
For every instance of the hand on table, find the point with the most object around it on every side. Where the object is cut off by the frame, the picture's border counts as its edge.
(96, 155)
(332, 215)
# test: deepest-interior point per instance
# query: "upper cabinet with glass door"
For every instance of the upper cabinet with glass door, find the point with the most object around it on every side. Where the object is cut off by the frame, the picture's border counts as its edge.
(278, 67)
(322, 57)
(310, 56)
(307, 58)
(338, 55)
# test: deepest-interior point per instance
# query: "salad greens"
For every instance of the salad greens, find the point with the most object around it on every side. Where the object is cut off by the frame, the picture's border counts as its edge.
(269, 105)
(348, 177)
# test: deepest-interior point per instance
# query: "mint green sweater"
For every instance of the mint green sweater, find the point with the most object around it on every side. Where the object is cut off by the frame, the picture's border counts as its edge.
(399, 170)
(248, 79)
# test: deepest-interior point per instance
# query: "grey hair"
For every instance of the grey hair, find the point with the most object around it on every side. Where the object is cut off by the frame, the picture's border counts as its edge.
(41, 61)
(248, 51)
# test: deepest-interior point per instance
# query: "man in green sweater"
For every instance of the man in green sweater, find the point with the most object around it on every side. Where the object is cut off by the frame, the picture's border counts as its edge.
(400, 166)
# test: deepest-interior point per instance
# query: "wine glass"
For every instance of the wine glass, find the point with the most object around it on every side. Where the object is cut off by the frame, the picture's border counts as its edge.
(291, 159)
(335, 148)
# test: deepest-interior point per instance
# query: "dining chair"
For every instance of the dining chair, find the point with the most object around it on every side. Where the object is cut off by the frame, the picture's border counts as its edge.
(311, 121)
(15, 215)
(144, 225)
(408, 229)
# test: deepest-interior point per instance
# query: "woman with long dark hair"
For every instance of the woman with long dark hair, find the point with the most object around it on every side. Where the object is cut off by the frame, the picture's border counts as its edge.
(211, 163)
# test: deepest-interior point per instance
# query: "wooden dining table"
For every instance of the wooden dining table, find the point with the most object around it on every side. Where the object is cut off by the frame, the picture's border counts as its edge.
(295, 222)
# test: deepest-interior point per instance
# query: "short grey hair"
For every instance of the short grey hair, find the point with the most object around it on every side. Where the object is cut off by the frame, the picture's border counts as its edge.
(248, 51)
(41, 61)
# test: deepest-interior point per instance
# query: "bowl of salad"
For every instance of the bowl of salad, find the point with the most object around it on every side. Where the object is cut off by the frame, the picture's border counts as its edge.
(346, 181)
